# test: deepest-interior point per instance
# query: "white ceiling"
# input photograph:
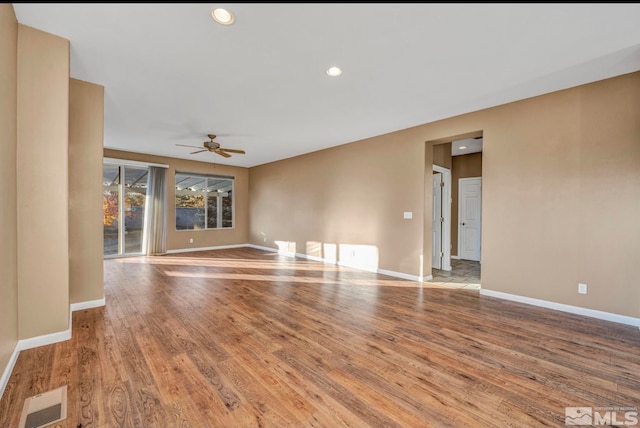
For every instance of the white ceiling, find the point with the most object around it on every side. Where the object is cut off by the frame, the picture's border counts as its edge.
(171, 74)
(471, 145)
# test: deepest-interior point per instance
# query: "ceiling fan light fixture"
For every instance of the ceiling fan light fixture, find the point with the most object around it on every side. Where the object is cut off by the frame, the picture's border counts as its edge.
(334, 71)
(222, 16)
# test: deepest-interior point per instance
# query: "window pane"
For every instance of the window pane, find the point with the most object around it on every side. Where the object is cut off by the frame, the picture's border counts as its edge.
(212, 210)
(203, 201)
(110, 186)
(227, 210)
(189, 211)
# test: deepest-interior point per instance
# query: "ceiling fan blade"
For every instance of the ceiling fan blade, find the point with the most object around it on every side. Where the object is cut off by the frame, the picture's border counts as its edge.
(199, 151)
(242, 152)
(184, 145)
(221, 153)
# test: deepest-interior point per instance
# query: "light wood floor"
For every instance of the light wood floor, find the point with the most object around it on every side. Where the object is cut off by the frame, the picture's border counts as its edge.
(243, 338)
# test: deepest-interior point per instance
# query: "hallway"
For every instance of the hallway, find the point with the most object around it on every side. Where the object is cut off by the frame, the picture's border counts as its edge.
(464, 274)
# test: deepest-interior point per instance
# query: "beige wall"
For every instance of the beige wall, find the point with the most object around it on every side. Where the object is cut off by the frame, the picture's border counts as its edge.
(86, 125)
(346, 203)
(442, 155)
(201, 238)
(8, 138)
(560, 173)
(608, 208)
(42, 183)
(463, 166)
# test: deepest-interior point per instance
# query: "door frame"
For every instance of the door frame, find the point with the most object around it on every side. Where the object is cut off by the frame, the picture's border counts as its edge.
(460, 214)
(446, 211)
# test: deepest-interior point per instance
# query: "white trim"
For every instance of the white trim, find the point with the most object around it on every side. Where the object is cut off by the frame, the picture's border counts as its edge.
(316, 259)
(46, 339)
(87, 305)
(285, 253)
(400, 275)
(219, 247)
(355, 266)
(260, 247)
(593, 313)
(455, 257)
(4, 380)
(446, 208)
(126, 162)
(339, 263)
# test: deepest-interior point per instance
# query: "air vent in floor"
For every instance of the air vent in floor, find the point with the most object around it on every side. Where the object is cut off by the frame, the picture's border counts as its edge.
(44, 409)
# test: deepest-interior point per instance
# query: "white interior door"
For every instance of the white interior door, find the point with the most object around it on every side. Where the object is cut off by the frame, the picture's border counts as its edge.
(436, 226)
(469, 218)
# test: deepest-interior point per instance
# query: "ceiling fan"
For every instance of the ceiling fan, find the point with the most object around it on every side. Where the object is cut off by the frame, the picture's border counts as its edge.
(214, 147)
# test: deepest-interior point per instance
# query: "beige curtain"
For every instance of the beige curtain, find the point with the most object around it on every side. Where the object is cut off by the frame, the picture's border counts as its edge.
(155, 221)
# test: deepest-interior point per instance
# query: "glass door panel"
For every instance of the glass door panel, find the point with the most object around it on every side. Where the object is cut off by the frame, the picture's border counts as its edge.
(110, 208)
(135, 192)
(123, 199)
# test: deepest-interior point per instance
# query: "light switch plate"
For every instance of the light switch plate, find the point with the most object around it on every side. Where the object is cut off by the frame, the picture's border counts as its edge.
(408, 214)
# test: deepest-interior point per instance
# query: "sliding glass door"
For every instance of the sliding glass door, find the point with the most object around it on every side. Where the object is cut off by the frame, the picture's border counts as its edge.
(123, 198)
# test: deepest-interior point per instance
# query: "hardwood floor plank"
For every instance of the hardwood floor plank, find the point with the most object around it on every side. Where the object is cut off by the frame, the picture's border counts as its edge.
(244, 338)
(329, 411)
(307, 367)
(120, 409)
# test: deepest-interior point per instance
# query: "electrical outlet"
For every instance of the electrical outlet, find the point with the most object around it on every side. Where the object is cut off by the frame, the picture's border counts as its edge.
(582, 288)
(190, 240)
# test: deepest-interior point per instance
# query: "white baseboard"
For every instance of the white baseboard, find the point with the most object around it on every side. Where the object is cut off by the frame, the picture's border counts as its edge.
(4, 380)
(87, 305)
(219, 247)
(356, 266)
(276, 250)
(455, 257)
(400, 275)
(316, 259)
(607, 316)
(46, 339)
(349, 265)
(260, 247)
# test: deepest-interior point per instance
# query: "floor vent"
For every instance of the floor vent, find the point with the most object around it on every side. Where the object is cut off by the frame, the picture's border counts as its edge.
(44, 409)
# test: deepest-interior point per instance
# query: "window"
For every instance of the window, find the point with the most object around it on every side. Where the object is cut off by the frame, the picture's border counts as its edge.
(203, 201)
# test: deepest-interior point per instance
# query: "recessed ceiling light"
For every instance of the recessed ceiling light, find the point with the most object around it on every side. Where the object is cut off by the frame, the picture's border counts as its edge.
(334, 71)
(462, 147)
(223, 16)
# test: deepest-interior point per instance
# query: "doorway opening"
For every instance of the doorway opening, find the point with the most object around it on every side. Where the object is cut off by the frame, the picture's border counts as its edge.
(462, 157)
